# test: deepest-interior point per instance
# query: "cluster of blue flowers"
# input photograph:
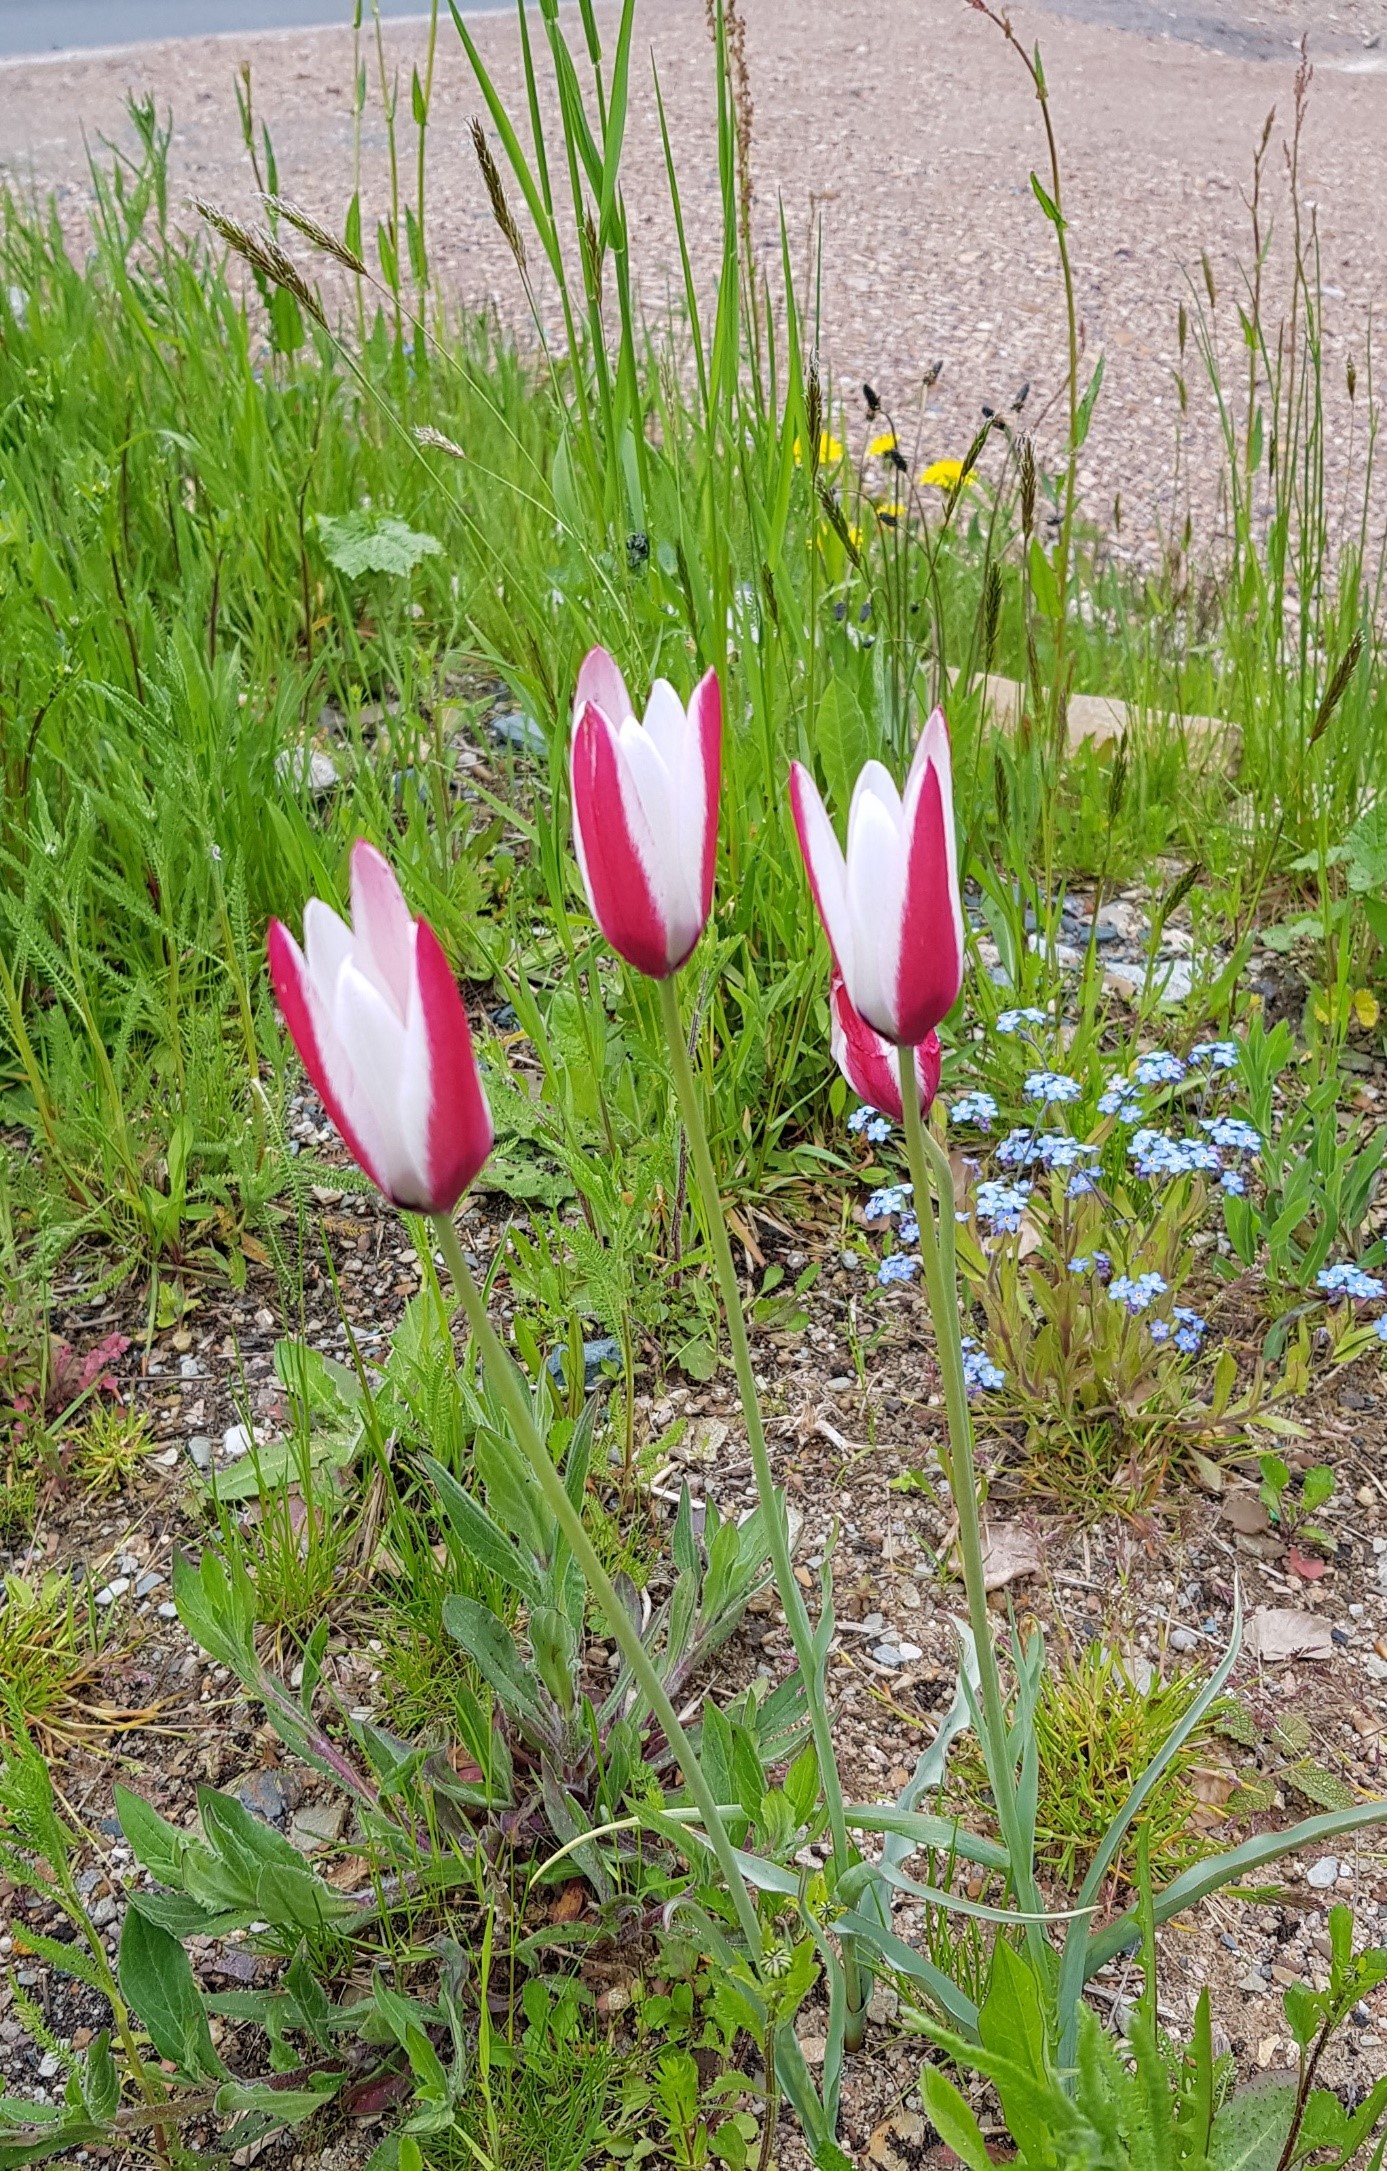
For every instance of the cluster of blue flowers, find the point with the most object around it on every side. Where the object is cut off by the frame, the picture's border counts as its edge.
(1138, 1294)
(1002, 1204)
(979, 1109)
(980, 1374)
(1053, 1149)
(892, 1199)
(1232, 1133)
(1347, 1280)
(870, 1120)
(1184, 1327)
(1051, 1087)
(1121, 1098)
(1159, 1069)
(1156, 1154)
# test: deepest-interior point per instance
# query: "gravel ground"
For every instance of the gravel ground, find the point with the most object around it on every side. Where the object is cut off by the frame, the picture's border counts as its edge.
(911, 131)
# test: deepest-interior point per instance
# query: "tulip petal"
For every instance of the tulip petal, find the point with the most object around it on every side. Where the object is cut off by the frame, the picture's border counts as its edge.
(871, 1064)
(310, 1027)
(865, 1059)
(702, 790)
(327, 944)
(929, 964)
(601, 683)
(876, 894)
(665, 723)
(375, 1042)
(459, 1135)
(823, 859)
(616, 851)
(382, 928)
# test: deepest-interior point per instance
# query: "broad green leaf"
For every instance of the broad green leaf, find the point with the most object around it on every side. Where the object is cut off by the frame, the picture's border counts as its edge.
(953, 2119)
(157, 1982)
(481, 1538)
(1250, 2131)
(286, 2106)
(361, 542)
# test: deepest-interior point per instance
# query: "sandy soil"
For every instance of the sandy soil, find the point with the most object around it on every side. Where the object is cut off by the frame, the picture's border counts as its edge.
(911, 132)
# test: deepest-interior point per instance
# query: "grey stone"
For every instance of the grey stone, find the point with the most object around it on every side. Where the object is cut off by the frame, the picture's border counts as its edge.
(886, 1654)
(200, 1448)
(117, 1588)
(318, 1824)
(1183, 1639)
(265, 1794)
(147, 1583)
(521, 733)
(319, 773)
(1322, 1874)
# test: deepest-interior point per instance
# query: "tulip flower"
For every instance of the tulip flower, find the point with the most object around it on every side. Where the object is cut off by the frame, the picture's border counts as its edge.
(869, 1063)
(891, 907)
(645, 812)
(376, 1016)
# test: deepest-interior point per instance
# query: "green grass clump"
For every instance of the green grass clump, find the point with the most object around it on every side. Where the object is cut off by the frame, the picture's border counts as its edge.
(1097, 1728)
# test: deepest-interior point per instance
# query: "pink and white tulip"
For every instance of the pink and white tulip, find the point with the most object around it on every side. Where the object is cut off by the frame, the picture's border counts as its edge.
(645, 812)
(380, 1027)
(891, 907)
(869, 1062)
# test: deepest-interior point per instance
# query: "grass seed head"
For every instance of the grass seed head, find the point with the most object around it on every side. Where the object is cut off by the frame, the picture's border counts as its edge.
(264, 254)
(500, 209)
(303, 222)
(425, 434)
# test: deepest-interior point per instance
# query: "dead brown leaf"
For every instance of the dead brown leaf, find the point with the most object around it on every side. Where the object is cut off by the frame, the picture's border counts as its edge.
(1278, 1633)
(1009, 1552)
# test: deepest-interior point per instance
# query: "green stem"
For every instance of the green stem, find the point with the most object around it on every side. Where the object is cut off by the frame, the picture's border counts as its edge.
(772, 1507)
(932, 1179)
(506, 1381)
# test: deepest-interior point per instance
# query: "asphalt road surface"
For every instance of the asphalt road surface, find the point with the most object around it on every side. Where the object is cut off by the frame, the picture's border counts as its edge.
(36, 27)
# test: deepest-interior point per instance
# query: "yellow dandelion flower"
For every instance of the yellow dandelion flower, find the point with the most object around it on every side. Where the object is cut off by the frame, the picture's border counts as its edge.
(891, 513)
(943, 474)
(884, 441)
(829, 450)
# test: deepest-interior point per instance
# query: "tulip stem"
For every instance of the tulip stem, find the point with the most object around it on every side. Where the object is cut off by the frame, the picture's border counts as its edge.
(772, 1506)
(933, 1180)
(510, 1388)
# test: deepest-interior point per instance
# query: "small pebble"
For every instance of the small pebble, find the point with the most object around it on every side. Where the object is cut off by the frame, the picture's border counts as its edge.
(168, 1611)
(113, 1591)
(886, 1654)
(1183, 1639)
(1322, 1874)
